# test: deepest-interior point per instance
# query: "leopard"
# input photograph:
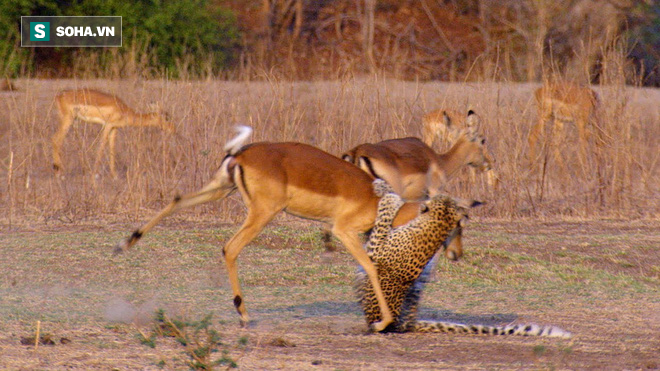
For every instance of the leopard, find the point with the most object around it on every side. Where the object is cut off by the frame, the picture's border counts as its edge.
(405, 258)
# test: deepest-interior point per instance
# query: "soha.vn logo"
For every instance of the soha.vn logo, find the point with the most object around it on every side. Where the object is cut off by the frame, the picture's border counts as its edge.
(39, 31)
(72, 31)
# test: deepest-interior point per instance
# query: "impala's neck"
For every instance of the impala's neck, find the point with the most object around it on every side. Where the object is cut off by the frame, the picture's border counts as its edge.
(455, 158)
(144, 119)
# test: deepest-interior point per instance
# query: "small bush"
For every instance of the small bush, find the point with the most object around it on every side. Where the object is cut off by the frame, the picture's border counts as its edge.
(201, 341)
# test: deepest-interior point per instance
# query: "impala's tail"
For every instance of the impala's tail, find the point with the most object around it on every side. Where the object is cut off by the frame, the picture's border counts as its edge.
(523, 330)
(221, 185)
(235, 144)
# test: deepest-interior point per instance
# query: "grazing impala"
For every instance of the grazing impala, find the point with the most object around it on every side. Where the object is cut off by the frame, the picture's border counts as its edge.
(296, 178)
(100, 108)
(564, 103)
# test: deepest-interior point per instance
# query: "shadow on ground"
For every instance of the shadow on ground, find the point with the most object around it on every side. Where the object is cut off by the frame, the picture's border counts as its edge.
(339, 308)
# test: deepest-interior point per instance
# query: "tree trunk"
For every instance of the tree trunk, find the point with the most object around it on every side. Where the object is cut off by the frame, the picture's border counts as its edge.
(368, 26)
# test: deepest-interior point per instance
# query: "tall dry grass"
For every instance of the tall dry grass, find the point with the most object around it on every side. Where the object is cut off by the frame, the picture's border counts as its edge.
(619, 179)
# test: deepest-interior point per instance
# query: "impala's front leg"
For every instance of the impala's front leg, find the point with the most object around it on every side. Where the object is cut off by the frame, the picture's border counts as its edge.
(533, 137)
(99, 152)
(66, 120)
(352, 242)
(254, 223)
(111, 148)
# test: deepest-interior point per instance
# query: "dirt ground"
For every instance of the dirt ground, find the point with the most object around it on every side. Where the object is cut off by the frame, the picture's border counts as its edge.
(597, 279)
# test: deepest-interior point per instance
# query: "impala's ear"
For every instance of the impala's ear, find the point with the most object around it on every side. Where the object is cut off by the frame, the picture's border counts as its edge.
(492, 178)
(446, 119)
(346, 157)
(153, 107)
(467, 204)
(462, 207)
(473, 123)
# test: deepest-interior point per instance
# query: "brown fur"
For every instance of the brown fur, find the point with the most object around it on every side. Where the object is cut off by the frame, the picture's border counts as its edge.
(412, 168)
(301, 180)
(100, 108)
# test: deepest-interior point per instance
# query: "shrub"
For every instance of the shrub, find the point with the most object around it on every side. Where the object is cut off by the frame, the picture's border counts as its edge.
(184, 34)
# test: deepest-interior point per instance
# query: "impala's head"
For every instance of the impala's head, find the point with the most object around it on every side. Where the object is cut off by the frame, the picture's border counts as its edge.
(486, 162)
(157, 117)
(453, 212)
(448, 125)
(166, 123)
(481, 159)
(349, 156)
(478, 154)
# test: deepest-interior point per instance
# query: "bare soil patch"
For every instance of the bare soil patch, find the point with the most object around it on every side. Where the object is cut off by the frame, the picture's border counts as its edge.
(598, 279)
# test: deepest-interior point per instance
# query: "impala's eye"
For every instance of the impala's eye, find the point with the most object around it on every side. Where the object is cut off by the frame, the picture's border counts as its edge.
(483, 141)
(424, 209)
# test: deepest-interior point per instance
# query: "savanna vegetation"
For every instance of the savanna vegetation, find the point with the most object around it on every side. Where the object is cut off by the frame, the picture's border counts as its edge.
(451, 40)
(572, 243)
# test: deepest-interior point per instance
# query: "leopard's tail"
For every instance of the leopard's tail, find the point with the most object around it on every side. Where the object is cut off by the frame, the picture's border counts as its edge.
(521, 329)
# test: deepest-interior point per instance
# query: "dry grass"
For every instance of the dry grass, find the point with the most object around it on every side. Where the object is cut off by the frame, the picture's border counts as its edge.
(619, 180)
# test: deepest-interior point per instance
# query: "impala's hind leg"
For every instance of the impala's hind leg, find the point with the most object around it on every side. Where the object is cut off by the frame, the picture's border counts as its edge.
(557, 137)
(352, 242)
(218, 188)
(255, 222)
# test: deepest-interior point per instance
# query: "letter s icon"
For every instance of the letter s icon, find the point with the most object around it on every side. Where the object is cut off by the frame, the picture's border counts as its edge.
(39, 31)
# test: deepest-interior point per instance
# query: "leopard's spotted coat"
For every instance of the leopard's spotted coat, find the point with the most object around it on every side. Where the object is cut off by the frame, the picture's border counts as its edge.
(404, 257)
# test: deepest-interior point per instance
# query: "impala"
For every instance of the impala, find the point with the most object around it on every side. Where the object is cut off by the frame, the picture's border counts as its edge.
(447, 125)
(413, 169)
(93, 106)
(298, 179)
(565, 103)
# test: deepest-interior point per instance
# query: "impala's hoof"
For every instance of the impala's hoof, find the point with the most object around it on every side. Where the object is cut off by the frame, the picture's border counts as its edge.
(119, 248)
(452, 255)
(245, 323)
(379, 326)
